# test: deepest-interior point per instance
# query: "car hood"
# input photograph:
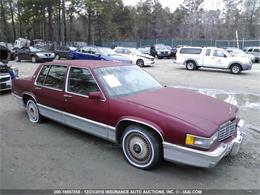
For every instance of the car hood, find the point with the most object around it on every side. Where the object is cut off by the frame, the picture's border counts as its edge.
(145, 56)
(244, 55)
(204, 112)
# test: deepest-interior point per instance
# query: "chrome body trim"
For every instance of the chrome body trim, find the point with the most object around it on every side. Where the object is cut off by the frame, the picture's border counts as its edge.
(93, 127)
(205, 159)
(86, 96)
(141, 122)
(35, 83)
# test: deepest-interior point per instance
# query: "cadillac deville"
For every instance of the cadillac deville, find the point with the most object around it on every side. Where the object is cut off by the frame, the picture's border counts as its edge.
(124, 104)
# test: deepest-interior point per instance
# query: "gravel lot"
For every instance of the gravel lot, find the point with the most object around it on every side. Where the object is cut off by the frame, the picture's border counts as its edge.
(53, 156)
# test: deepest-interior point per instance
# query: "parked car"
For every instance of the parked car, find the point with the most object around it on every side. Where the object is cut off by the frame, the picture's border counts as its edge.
(97, 53)
(122, 103)
(160, 51)
(144, 50)
(7, 73)
(136, 56)
(173, 51)
(240, 53)
(63, 52)
(211, 57)
(33, 54)
(255, 51)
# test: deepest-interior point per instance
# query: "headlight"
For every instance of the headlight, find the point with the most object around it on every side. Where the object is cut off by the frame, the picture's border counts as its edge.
(52, 55)
(202, 142)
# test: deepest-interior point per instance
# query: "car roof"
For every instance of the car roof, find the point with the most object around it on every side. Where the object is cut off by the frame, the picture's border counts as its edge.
(88, 63)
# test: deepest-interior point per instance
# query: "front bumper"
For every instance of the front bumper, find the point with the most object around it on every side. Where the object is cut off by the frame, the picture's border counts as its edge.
(247, 66)
(205, 159)
(4, 86)
(149, 62)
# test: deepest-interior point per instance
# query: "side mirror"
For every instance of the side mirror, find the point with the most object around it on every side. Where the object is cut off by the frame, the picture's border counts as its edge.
(97, 95)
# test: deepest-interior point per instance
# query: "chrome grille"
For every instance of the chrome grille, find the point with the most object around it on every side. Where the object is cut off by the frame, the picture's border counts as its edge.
(226, 130)
(4, 79)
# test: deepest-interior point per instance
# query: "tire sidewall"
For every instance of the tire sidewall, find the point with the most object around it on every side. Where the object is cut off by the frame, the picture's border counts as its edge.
(235, 72)
(16, 58)
(31, 102)
(152, 142)
(34, 59)
(190, 63)
(141, 63)
(57, 57)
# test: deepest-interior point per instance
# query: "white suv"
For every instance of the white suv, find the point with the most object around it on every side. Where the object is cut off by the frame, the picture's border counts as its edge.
(211, 57)
(255, 51)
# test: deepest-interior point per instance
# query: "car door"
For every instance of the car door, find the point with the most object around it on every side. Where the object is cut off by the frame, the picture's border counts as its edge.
(216, 59)
(24, 53)
(83, 113)
(49, 91)
(64, 52)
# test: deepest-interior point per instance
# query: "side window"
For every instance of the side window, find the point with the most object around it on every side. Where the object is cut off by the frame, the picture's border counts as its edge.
(208, 52)
(81, 82)
(218, 53)
(127, 51)
(44, 71)
(250, 50)
(55, 77)
(119, 51)
(190, 51)
(256, 50)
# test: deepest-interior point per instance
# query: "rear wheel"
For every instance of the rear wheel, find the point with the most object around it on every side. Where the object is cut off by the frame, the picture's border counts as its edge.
(235, 69)
(33, 112)
(141, 148)
(190, 65)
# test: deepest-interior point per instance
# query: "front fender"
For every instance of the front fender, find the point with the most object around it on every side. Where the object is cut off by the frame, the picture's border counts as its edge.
(141, 121)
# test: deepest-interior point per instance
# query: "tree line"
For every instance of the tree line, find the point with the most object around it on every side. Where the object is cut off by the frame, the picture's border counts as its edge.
(93, 21)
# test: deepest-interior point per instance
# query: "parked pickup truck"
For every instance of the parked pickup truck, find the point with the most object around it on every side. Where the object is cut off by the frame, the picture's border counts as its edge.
(211, 57)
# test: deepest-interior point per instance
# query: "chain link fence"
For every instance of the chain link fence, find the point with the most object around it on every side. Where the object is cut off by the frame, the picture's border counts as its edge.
(176, 43)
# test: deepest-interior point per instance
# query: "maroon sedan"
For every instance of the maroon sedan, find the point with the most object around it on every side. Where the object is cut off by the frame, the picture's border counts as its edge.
(123, 104)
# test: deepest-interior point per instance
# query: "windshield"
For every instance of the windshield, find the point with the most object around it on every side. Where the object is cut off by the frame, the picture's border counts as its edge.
(160, 47)
(135, 51)
(238, 51)
(107, 51)
(226, 53)
(33, 49)
(72, 48)
(125, 80)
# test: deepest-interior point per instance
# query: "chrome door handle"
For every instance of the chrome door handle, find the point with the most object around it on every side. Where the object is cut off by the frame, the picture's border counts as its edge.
(37, 88)
(67, 96)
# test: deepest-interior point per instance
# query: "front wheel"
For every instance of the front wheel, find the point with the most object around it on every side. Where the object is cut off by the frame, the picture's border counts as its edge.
(34, 60)
(57, 57)
(33, 112)
(140, 63)
(235, 69)
(141, 148)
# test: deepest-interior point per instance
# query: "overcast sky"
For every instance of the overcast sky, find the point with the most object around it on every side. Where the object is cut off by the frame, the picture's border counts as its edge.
(173, 4)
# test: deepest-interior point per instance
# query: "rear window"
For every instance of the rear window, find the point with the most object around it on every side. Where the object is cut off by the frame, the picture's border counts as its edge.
(190, 51)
